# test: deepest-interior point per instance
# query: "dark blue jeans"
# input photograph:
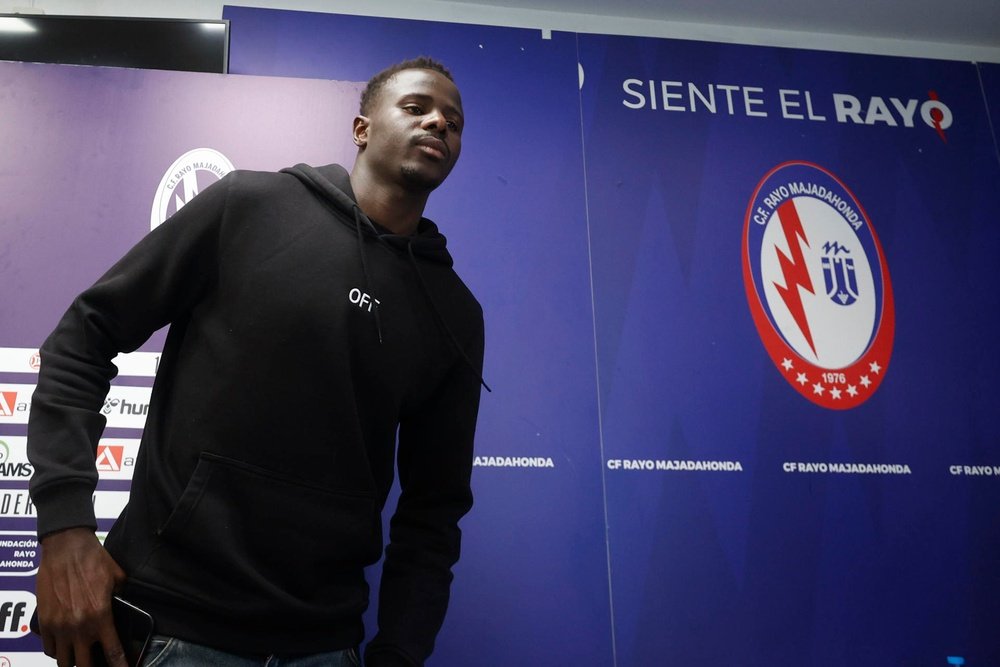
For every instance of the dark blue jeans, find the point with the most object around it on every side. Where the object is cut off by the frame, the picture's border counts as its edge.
(172, 652)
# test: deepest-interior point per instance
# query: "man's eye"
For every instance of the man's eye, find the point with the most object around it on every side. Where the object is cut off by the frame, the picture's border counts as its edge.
(453, 126)
(413, 109)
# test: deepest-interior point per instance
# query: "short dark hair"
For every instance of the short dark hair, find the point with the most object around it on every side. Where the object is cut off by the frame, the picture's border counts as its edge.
(374, 88)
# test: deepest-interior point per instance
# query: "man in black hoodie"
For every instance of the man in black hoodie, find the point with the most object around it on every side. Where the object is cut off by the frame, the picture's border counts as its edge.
(313, 316)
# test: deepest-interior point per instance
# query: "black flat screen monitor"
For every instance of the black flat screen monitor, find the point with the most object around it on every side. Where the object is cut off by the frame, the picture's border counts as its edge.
(147, 43)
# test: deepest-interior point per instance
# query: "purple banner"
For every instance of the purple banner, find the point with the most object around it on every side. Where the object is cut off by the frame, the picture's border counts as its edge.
(92, 159)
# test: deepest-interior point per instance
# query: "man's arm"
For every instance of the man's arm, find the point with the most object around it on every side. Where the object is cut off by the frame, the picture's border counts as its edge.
(435, 466)
(153, 284)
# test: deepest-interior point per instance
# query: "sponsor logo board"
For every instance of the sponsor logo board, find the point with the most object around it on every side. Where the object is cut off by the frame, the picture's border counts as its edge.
(14, 463)
(19, 360)
(18, 553)
(25, 659)
(114, 459)
(137, 364)
(17, 504)
(127, 407)
(16, 608)
(9, 406)
(124, 407)
(109, 504)
(28, 360)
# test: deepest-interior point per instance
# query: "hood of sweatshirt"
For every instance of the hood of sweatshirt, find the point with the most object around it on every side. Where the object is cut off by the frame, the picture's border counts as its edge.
(332, 184)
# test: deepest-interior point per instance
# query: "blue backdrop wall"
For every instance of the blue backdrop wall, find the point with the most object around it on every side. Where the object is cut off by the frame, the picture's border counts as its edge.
(793, 559)
(534, 564)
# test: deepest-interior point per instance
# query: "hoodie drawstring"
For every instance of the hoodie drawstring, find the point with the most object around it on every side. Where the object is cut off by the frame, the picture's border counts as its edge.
(364, 269)
(440, 318)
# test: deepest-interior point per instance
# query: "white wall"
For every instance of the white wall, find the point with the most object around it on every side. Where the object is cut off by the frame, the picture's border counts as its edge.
(466, 12)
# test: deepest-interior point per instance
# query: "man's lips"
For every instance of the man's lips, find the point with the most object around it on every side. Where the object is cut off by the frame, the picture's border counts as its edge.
(433, 146)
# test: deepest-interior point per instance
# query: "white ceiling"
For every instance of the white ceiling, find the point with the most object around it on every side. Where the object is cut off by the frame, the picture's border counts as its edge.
(969, 22)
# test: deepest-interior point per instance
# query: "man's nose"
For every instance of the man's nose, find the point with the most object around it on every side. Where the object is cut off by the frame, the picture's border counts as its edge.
(434, 120)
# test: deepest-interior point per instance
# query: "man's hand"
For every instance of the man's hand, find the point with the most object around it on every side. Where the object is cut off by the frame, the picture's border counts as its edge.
(76, 578)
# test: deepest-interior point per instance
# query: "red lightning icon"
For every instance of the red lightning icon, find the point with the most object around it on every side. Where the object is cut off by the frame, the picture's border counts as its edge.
(937, 116)
(794, 270)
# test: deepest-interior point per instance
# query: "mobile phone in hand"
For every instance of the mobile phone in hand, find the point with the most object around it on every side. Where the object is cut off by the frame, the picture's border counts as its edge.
(134, 627)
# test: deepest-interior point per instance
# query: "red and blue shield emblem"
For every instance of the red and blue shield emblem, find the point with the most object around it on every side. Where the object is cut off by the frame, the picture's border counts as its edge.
(818, 287)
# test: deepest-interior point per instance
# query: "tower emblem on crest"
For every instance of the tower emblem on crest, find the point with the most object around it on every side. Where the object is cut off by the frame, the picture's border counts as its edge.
(838, 274)
(818, 285)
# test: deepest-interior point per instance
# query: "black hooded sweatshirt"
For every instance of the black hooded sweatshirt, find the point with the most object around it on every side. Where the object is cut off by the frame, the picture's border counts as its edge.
(302, 337)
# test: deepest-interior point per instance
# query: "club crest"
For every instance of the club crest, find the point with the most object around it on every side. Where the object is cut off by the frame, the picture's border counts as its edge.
(818, 286)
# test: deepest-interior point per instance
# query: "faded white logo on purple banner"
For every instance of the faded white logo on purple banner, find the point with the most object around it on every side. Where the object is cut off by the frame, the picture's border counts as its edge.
(187, 176)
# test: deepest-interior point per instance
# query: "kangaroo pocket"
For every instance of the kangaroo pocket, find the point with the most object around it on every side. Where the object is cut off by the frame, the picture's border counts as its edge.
(252, 542)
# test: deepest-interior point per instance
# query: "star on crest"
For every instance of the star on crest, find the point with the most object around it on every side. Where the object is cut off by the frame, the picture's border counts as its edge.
(835, 393)
(875, 368)
(818, 389)
(852, 390)
(801, 379)
(787, 364)
(865, 382)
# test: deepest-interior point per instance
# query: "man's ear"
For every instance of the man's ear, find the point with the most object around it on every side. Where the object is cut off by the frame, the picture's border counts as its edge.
(360, 131)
